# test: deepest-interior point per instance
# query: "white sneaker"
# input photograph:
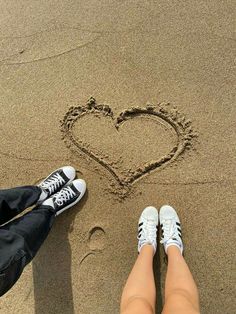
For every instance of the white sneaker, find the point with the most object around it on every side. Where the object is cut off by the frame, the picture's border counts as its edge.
(147, 228)
(66, 197)
(55, 181)
(171, 229)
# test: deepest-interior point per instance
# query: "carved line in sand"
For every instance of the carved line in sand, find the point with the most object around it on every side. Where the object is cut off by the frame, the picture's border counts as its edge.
(39, 46)
(177, 121)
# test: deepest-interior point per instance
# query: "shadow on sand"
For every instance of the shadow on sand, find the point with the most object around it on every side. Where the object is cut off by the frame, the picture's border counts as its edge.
(52, 267)
(157, 275)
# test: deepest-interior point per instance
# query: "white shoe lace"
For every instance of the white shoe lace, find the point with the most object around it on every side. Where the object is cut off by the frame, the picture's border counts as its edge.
(53, 183)
(149, 231)
(170, 230)
(63, 196)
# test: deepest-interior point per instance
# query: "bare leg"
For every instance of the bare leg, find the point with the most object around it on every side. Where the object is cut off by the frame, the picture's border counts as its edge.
(139, 294)
(181, 294)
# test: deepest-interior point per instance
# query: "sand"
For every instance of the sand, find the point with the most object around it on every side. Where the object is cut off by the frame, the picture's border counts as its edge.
(159, 128)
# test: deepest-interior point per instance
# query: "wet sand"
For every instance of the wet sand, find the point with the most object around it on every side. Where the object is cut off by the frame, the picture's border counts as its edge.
(159, 129)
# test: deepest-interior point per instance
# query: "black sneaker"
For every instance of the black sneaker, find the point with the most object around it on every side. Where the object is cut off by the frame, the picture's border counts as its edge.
(55, 181)
(67, 196)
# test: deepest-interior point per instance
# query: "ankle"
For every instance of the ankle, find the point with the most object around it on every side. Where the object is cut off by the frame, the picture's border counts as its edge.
(173, 249)
(147, 249)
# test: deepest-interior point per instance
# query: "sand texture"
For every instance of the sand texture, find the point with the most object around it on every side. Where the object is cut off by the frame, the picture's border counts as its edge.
(139, 96)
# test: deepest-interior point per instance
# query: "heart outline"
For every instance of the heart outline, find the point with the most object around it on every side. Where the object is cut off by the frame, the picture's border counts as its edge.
(177, 121)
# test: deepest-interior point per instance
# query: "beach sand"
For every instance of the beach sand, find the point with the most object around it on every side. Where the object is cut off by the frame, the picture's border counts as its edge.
(160, 129)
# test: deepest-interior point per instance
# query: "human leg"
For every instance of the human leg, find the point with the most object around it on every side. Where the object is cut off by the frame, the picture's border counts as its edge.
(14, 201)
(21, 238)
(181, 294)
(139, 294)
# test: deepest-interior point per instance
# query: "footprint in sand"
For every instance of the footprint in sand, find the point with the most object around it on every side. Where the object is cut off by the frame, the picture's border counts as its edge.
(97, 239)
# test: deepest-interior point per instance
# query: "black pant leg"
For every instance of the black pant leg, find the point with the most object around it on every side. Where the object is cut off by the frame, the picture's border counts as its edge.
(14, 201)
(20, 240)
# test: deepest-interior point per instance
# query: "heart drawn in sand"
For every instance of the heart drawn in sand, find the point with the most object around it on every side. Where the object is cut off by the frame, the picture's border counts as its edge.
(131, 145)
